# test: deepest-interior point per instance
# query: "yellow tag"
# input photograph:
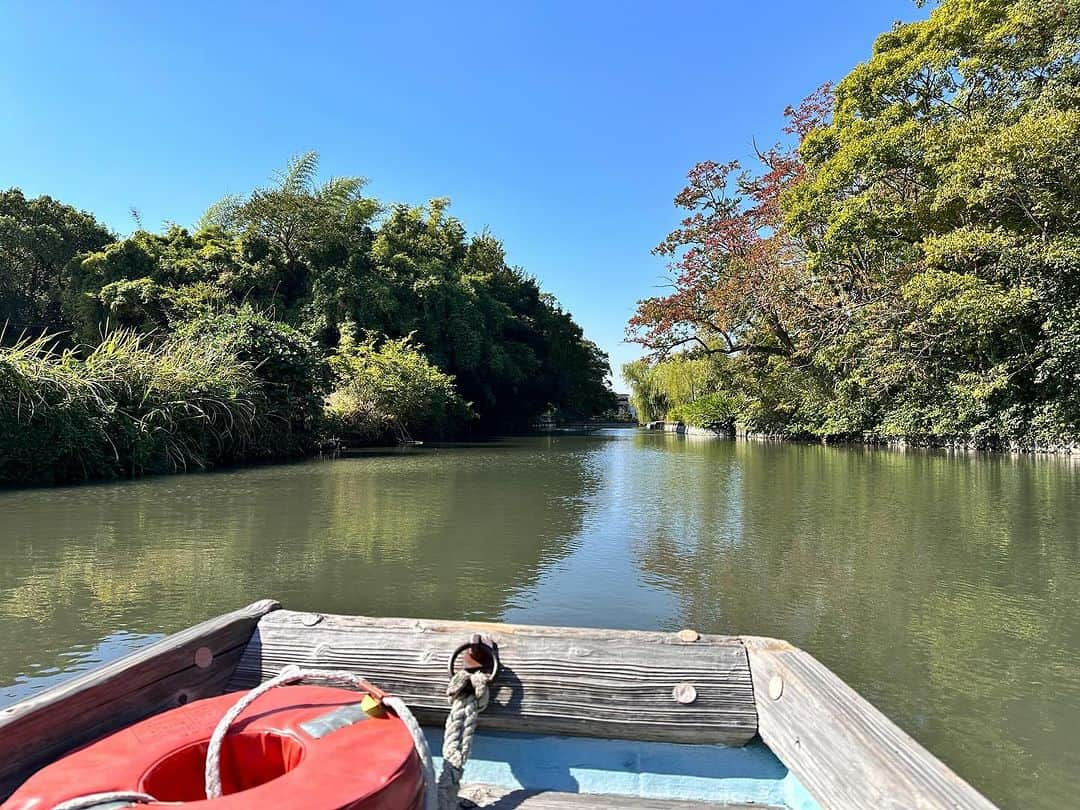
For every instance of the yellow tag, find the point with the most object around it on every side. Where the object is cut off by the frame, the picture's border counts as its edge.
(372, 706)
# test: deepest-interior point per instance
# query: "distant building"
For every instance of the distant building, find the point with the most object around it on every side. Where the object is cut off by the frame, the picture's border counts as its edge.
(623, 408)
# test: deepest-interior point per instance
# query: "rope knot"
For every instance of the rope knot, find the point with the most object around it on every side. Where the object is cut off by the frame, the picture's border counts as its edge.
(465, 684)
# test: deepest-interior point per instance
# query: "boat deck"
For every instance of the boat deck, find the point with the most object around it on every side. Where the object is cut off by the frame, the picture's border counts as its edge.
(539, 770)
(498, 798)
(577, 717)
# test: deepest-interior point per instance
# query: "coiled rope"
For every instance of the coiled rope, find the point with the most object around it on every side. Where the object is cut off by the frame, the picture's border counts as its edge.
(468, 694)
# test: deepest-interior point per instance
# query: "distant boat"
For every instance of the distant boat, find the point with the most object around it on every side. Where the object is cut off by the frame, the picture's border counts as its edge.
(577, 718)
(403, 437)
(574, 430)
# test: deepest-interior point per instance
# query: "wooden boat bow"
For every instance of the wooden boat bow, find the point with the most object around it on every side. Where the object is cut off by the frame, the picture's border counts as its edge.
(682, 688)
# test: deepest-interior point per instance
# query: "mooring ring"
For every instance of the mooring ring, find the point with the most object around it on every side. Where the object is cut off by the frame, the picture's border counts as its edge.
(489, 649)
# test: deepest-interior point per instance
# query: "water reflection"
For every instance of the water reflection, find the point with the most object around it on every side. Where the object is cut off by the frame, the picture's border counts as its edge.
(944, 588)
(80, 658)
(417, 534)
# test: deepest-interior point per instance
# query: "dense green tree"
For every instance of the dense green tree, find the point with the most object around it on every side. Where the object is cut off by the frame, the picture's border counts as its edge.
(306, 243)
(942, 201)
(38, 238)
(281, 282)
(908, 265)
(318, 256)
(513, 351)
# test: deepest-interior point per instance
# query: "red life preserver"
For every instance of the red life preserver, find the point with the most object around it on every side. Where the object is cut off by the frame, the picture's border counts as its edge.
(299, 748)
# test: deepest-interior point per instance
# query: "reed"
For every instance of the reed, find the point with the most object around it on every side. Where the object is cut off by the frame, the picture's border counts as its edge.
(129, 405)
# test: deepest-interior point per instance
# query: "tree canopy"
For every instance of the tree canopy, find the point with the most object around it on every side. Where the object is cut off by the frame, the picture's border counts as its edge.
(409, 321)
(906, 262)
(320, 255)
(38, 237)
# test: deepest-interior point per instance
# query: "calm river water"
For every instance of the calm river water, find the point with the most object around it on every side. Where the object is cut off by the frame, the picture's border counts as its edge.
(945, 588)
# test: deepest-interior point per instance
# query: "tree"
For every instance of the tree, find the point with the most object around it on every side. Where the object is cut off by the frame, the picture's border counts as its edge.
(944, 193)
(740, 280)
(296, 215)
(910, 264)
(388, 386)
(512, 350)
(319, 256)
(38, 238)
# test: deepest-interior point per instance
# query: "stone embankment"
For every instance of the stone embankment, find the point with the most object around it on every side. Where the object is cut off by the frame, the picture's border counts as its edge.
(898, 442)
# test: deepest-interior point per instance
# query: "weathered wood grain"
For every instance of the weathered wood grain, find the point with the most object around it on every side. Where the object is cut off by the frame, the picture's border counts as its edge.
(843, 750)
(195, 663)
(600, 683)
(496, 798)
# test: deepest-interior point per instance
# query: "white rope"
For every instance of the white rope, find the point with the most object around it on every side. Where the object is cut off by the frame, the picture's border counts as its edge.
(293, 674)
(96, 799)
(212, 770)
(431, 789)
(468, 694)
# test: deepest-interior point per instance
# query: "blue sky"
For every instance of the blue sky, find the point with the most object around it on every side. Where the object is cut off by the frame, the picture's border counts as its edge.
(564, 127)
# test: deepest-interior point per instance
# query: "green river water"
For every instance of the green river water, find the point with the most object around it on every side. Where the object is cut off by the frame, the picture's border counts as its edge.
(945, 588)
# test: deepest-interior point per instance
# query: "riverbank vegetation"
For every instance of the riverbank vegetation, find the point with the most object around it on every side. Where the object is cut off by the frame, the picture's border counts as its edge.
(300, 312)
(905, 263)
(126, 406)
(388, 387)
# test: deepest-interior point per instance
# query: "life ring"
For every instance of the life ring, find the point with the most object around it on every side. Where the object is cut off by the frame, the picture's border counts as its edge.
(301, 747)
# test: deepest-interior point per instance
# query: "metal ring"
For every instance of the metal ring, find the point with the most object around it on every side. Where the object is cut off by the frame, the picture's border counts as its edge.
(492, 649)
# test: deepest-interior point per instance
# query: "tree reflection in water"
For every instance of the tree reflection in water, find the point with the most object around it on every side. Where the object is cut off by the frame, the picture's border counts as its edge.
(945, 588)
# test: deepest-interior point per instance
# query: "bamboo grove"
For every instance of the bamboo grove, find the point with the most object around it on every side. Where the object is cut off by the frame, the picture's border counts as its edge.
(298, 313)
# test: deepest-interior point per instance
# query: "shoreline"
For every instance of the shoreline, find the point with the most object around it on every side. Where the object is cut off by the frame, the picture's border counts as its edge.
(955, 444)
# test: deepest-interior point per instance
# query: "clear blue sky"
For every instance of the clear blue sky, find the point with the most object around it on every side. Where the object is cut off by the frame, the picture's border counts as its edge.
(564, 127)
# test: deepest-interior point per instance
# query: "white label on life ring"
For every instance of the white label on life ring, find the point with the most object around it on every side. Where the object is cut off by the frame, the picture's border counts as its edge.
(342, 717)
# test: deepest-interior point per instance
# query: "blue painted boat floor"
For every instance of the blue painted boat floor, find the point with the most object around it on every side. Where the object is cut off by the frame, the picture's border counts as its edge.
(649, 770)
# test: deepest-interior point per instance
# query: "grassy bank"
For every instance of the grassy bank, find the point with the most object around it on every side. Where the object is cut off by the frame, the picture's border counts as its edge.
(227, 389)
(127, 407)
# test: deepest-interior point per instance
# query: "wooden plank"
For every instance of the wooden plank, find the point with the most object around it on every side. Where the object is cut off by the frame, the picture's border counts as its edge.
(496, 798)
(195, 663)
(845, 752)
(601, 683)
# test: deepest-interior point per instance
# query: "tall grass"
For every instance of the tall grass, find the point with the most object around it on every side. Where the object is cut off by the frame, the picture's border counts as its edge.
(127, 406)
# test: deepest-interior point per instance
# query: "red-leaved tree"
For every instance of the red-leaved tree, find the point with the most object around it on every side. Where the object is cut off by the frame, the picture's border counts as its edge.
(740, 280)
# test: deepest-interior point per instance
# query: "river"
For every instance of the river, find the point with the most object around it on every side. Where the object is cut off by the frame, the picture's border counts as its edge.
(945, 588)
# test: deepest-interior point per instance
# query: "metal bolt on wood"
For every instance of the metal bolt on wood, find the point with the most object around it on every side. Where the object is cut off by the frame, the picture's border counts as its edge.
(776, 687)
(684, 693)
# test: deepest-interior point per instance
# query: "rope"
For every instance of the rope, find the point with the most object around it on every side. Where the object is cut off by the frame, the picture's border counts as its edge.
(431, 789)
(96, 799)
(293, 674)
(468, 694)
(212, 771)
